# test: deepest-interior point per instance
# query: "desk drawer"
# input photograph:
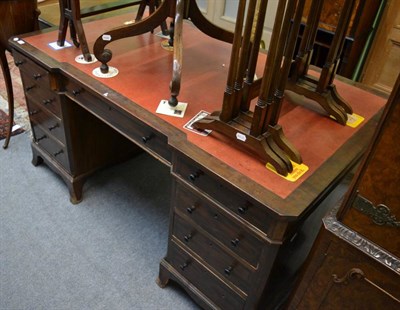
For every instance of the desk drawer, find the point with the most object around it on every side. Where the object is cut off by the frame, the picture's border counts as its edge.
(225, 229)
(203, 279)
(56, 150)
(51, 123)
(45, 98)
(219, 190)
(226, 265)
(140, 133)
(31, 70)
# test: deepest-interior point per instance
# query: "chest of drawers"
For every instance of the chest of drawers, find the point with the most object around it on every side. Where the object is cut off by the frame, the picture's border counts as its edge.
(44, 108)
(63, 133)
(221, 241)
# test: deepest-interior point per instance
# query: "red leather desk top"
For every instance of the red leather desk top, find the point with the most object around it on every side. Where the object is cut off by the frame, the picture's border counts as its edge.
(145, 71)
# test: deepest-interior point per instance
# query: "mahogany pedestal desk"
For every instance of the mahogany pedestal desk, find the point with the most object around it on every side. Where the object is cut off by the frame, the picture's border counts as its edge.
(230, 217)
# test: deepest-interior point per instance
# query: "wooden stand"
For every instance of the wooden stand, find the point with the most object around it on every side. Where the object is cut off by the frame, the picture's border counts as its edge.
(322, 89)
(168, 8)
(259, 130)
(71, 14)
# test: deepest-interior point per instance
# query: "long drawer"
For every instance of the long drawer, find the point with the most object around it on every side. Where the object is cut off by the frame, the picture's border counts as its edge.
(143, 135)
(236, 201)
(226, 265)
(224, 228)
(203, 279)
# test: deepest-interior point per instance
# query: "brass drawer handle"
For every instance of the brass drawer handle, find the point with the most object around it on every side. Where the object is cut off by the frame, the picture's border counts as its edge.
(30, 87)
(146, 139)
(235, 242)
(243, 210)
(37, 76)
(41, 138)
(191, 209)
(184, 265)
(195, 175)
(19, 62)
(53, 127)
(47, 101)
(58, 153)
(34, 112)
(188, 237)
(76, 92)
(228, 270)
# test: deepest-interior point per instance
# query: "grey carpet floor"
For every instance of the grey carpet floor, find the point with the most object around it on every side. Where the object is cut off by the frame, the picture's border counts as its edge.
(103, 253)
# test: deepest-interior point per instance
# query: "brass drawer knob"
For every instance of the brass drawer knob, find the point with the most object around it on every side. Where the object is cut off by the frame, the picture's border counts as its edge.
(243, 210)
(19, 62)
(188, 237)
(47, 101)
(184, 265)
(37, 76)
(235, 242)
(228, 270)
(76, 92)
(191, 209)
(193, 176)
(146, 139)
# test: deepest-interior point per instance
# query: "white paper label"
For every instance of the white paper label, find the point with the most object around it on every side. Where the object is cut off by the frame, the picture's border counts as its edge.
(106, 37)
(240, 136)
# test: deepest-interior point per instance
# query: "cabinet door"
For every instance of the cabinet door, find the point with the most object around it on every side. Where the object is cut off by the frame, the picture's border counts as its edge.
(383, 63)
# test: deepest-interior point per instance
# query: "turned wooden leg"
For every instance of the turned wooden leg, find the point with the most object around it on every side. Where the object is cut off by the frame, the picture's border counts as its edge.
(10, 95)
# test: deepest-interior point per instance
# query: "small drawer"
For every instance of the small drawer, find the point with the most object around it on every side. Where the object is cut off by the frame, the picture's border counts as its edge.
(49, 122)
(42, 95)
(227, 266)
(32, 71)
(51, 146)
(255, 214)
(203, 279)
(222, 227)
(143, 135)
(45, 98)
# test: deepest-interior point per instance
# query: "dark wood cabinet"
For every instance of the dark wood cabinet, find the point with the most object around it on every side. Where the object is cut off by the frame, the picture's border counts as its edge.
(355, 262)
(64, 135)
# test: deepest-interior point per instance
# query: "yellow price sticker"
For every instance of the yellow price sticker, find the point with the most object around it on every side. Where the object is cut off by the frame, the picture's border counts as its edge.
(298, 171)
(353, 120)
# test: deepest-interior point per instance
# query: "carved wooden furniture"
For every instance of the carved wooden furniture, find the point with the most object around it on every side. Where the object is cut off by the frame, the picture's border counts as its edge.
(169, 8)
(322, 89)
(259, 130)
(71, 14)
(16, 17)
(230, 217)
(355, 262)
